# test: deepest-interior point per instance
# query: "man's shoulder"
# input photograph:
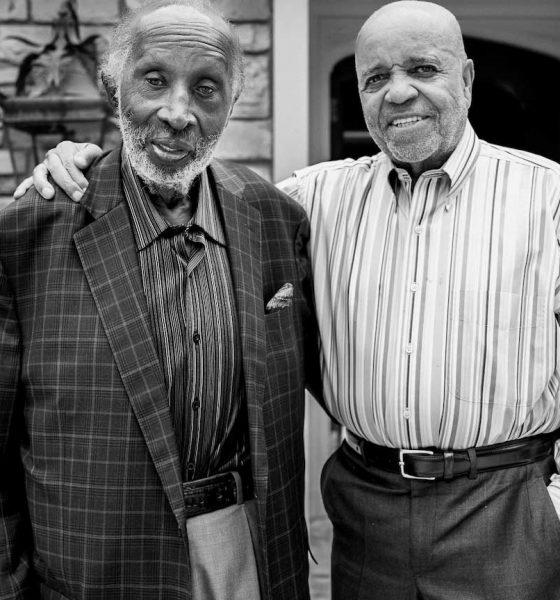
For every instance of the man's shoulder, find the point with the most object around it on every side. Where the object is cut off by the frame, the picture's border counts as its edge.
(254, 189)
(236, 177)
(341, 167)
(519, 158)
(31, 222)
(32, 212)
(336, 181)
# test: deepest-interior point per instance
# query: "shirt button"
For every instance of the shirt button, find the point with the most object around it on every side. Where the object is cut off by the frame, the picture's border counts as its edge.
(406, 413)
(196, 403)
(408, 349)
(418, 229)
(196, 337)
(190, 469)
(447, 207)
(413, 287)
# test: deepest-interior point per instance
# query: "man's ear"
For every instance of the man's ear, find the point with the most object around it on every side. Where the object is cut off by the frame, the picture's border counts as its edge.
(468, 78)
(110, 90)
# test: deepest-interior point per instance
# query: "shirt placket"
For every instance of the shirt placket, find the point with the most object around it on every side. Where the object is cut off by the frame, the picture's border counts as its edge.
(191, 248)
(415, 236)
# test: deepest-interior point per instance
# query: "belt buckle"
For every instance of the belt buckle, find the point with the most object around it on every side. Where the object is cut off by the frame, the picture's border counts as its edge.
(401, 463)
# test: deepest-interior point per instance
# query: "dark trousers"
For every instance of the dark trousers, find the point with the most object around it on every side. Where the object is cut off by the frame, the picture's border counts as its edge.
(496, 537)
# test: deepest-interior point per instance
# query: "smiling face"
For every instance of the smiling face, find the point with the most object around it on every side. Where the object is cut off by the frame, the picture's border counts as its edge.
(175, 96)
(415, 83)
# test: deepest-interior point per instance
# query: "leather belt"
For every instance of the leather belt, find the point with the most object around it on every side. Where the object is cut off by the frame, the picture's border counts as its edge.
(432, 464)
(218, 491)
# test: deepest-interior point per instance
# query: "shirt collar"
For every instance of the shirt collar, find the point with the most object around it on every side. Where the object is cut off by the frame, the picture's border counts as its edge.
(148, 224)
(207, 216)
(456, 167)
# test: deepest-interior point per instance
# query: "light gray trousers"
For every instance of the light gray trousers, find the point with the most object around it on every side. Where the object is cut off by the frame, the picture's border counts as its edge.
(222, 555)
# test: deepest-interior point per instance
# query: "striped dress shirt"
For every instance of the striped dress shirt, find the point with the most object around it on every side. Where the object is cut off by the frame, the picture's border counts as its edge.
(437, 304)
(188, 287)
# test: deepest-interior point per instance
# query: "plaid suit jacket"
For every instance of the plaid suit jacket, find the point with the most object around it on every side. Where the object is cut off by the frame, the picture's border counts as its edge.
(90, 486)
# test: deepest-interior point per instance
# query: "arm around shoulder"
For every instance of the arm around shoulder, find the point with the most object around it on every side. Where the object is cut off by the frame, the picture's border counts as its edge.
(65, 164)
(309, 320)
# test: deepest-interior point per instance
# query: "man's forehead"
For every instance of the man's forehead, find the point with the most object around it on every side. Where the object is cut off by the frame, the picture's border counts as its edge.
(411, 28)
(174, 14)
(171, 25)
(404, 45)
(408, 54)
(413, 14)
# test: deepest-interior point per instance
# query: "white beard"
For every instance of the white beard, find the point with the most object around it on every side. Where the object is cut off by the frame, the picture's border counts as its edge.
(161, 181)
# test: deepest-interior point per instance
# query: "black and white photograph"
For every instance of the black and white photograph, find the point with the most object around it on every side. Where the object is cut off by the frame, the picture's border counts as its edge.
(279, 300)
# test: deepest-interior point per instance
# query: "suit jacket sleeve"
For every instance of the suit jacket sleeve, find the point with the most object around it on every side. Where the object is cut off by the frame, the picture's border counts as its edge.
(313, 381)
(311, 350)
(15, 538)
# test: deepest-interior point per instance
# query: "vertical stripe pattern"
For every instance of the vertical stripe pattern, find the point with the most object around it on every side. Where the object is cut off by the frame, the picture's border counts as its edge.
(437, 304)
(188, 286)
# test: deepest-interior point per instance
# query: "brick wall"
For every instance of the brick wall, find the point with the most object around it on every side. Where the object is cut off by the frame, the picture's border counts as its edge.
(248, 137)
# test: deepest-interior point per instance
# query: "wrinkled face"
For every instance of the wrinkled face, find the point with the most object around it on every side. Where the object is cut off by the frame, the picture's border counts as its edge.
(415, 89)
(175, 96)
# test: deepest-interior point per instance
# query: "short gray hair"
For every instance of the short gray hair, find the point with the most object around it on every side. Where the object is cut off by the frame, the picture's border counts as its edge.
(122, 43)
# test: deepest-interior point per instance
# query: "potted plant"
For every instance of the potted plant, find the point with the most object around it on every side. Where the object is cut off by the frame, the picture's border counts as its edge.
(57, 84)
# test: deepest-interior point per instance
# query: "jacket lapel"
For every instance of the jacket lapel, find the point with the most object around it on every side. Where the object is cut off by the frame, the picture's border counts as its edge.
(109, 257)
(242, 225)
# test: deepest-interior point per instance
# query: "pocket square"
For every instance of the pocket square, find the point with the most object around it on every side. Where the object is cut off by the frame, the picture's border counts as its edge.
(282, 299)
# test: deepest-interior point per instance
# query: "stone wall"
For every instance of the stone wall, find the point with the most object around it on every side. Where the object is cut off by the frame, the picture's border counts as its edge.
(248, 137)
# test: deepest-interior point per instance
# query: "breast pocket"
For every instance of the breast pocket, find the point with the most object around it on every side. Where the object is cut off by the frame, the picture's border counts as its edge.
(279, 326)
(504, 311)
(494, 336)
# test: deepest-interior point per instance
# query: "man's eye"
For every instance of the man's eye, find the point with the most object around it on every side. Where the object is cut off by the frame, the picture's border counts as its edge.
(425, 70)
(205, 90)
(375, 81)
(155, 81)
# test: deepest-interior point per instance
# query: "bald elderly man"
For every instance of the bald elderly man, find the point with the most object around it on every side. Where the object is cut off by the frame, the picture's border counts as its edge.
(436, 271)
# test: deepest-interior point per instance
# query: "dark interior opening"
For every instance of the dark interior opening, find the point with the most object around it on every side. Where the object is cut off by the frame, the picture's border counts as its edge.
(514, 102)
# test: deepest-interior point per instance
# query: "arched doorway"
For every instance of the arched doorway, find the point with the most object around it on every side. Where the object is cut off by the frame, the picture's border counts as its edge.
(513, 103)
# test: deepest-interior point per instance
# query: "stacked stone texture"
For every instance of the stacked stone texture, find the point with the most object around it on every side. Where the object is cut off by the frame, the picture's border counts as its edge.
(248, 137)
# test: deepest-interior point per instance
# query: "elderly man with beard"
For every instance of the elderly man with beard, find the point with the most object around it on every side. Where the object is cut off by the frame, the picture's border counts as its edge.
(152, 341)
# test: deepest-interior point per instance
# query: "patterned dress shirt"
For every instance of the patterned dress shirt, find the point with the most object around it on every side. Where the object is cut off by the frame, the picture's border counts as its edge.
(187, 283)
(437, 305)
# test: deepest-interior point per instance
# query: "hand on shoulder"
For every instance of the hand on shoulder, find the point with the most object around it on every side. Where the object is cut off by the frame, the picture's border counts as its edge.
(65, 164)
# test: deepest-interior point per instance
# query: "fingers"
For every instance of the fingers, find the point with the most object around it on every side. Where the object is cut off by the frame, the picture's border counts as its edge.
(86, 155)
(23, 187)
(65, 164)
(40, 181)
(60, 164)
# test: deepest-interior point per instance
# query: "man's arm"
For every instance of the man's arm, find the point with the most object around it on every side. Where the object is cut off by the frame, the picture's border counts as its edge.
(65, 164)
(554, 203)
(15, 534)
(313, 379)
(309, 322)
